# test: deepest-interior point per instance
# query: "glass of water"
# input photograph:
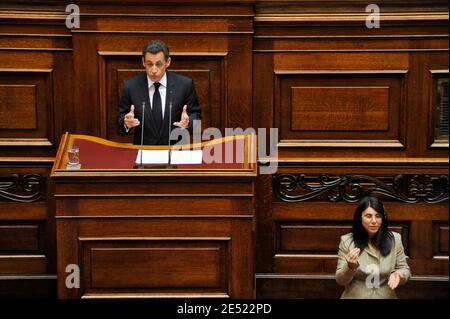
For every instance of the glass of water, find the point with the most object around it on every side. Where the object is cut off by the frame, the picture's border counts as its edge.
(74, 155)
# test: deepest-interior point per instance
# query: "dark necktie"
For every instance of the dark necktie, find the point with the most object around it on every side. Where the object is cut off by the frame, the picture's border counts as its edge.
(157, 106)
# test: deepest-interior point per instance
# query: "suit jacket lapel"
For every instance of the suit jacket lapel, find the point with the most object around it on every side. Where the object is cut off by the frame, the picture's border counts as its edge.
(169, 98)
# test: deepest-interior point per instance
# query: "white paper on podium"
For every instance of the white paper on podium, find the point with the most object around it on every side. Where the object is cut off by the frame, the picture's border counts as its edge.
(187, 157)
(153, 157)
(162, 157)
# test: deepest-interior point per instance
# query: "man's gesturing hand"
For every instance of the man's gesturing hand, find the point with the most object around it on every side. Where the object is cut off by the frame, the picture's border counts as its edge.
(130, 121)
(184, 122)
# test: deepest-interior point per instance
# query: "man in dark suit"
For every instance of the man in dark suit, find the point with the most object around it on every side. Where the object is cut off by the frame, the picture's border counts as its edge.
(160, 91)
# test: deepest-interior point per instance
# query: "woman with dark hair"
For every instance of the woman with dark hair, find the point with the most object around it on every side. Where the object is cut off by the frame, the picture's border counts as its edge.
(371, 259)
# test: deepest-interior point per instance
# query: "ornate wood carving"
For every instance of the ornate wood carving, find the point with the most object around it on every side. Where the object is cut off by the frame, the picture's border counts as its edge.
(351, 188)
(22, 188)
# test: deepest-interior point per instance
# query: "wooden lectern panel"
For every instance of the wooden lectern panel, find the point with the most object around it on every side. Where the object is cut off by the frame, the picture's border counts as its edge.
(184, 232)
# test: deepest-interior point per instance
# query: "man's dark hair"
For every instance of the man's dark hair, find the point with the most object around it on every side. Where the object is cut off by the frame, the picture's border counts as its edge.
(154, 47)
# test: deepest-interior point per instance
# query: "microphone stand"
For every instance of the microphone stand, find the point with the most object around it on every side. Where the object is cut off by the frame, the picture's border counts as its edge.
(142, 136)
(169, 166)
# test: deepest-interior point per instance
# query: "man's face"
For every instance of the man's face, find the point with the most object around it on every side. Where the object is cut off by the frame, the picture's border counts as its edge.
(155, 65)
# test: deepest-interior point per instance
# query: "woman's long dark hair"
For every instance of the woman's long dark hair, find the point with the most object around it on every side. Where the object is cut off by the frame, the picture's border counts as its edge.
(383, 239)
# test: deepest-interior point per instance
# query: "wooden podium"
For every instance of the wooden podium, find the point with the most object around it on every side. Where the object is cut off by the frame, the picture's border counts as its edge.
(133, 233)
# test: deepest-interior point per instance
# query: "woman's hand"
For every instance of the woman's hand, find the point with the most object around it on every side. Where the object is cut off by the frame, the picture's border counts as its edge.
(352, 258)
(394, 279)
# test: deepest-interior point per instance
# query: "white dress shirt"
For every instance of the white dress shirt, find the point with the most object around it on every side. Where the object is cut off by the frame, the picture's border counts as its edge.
(162, 91)
(151, 91)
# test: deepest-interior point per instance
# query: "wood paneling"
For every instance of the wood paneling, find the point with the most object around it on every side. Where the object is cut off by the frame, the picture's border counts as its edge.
(23, 265)
(23, 211)
(29, 287)
(339, 108)
(436, 101)
(169, 206)
(211, 48)
(19, 237)
(36, 80)
(146, 187)
(18, 101)
(325, 287)
(223, 245)
(27, 251)
(186, 264)
(441, 239)
(265, 239)
(318, 57)
(311, 247)
(303, 238)
(26, 108)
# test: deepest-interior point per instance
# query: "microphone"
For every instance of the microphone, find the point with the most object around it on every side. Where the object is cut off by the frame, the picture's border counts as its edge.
(170, 129)
(142, 136)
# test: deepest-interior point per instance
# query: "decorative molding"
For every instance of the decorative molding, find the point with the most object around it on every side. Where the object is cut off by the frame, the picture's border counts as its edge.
(22, 188)
(159, 32)
(139, 54)
(31, 142)
(351, 188)
(341, 143)
(339, 72)
(347, 19)
(348, 50)
(357, 36)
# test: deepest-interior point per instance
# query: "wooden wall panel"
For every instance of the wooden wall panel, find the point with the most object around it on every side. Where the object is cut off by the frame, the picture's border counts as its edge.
(335, 109)
(187, 264)
(441, 240)
(26, 108)
(19, 100)
(27, 256)
(329, 56)
(301, 238)
(35, 98)
(310, 247)
(339, 108)
(325, 287)
(211, 48)
(36, 107)
(19, 237)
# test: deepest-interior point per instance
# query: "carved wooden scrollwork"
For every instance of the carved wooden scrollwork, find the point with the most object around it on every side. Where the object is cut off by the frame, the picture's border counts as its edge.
(351, 188)
(21, 188)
